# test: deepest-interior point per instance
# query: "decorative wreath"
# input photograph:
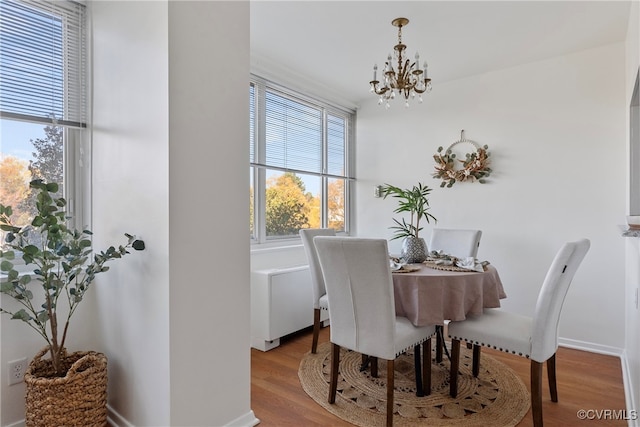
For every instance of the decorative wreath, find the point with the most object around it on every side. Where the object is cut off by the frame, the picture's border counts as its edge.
(475, 166)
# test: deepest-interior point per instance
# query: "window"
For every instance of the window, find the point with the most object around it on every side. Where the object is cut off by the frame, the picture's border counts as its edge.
(299, 163)
(42, 101)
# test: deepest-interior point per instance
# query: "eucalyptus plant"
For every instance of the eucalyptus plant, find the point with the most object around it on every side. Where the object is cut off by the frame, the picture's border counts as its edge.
(64, 265)
(413, 200)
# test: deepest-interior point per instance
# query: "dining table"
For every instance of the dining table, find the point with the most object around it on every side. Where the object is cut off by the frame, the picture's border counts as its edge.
(430, 294)
(427, 294)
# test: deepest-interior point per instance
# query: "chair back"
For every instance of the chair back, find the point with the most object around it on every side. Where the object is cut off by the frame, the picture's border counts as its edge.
(307, 235)
(360, 291)
(544, 334)
(457, 242)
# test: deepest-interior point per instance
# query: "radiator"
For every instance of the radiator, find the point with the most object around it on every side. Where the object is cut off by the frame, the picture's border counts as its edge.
(281, 303)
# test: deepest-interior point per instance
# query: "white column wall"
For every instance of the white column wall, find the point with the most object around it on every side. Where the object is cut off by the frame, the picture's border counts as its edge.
(208, 213)
(556, 133)
(169, 151)
(632, 319)
(130, 194)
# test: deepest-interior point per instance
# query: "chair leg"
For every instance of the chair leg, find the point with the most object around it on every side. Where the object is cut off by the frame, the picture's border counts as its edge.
(316, 330)
(536, 393)
(426, 367)
(364, 362)
(551, 374)
(439, 342)
(390, 386)
(417, 363)
(374, 366)
(335, 361)
(475, 366)
(455, 366)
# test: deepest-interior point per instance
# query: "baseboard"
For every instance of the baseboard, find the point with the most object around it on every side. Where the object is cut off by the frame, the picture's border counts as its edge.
(591, 347)
(630, 398)
(114, 419)
(247, 420)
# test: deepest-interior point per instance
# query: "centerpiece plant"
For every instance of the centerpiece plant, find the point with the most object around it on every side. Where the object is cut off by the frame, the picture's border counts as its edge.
(64, 266)
(415, 201)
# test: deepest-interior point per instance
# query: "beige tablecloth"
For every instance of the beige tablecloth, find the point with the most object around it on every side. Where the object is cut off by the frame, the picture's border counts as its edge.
(429, 296)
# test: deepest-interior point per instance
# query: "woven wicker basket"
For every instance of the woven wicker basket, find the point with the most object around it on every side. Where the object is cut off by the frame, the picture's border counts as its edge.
(77, 399)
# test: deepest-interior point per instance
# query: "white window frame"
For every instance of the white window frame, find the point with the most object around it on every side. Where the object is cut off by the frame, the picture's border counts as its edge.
(73, 118)
(258, 166)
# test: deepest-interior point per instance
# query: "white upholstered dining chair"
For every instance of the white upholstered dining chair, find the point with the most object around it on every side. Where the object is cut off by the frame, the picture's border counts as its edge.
(357, 277)
(317, 282)
(535, 338)
(457, 242)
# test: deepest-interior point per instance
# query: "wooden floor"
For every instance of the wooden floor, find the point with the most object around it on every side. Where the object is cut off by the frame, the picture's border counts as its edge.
(586, 381)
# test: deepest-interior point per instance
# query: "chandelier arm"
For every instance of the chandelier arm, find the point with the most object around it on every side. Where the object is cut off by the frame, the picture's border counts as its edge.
(404, 76)
(377, 91)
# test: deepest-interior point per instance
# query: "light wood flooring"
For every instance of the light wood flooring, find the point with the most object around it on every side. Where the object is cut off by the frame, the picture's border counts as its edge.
(586, 381)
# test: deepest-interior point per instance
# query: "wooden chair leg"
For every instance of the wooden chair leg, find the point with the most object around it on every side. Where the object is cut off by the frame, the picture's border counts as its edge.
(439, 343)
(536, 393)
(364, 362)
(335, 361)
(374, 366)
(475, 367)
(316, 330)
(455, 366)
(390, 386)
(551, 374)
(426, 367)
(417, 363)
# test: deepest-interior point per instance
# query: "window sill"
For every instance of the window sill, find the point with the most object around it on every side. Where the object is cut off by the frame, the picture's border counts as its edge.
(260, 248)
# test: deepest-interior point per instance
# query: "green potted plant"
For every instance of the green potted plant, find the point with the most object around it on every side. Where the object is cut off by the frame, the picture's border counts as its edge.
(415, 201)
(65, 389)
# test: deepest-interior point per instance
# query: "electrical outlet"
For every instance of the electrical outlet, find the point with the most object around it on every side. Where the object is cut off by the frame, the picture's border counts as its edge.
(16, 370)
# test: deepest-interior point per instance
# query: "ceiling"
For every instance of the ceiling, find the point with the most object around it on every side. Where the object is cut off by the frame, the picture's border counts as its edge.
(331, 46)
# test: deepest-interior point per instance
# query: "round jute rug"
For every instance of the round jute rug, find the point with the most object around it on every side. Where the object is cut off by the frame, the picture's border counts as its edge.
(496, 398)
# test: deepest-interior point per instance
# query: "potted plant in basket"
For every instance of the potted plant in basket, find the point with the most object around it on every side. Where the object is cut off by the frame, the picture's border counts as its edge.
(65, 389)
(415, 201)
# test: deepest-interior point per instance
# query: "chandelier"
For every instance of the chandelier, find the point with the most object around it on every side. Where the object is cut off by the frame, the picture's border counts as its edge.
(408, 81)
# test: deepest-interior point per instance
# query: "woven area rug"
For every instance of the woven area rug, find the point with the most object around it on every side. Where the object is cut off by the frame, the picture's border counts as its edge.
(497, 397)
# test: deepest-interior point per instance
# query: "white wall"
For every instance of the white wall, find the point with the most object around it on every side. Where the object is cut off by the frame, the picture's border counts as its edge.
(168, 139)
(632, 335)
(130, 194)
(208, 213)
(556, 133)
(16, 341)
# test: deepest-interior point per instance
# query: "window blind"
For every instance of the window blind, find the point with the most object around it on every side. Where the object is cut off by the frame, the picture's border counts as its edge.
(293, 134)
(42, 61)
(336, 140)
(252, 122)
